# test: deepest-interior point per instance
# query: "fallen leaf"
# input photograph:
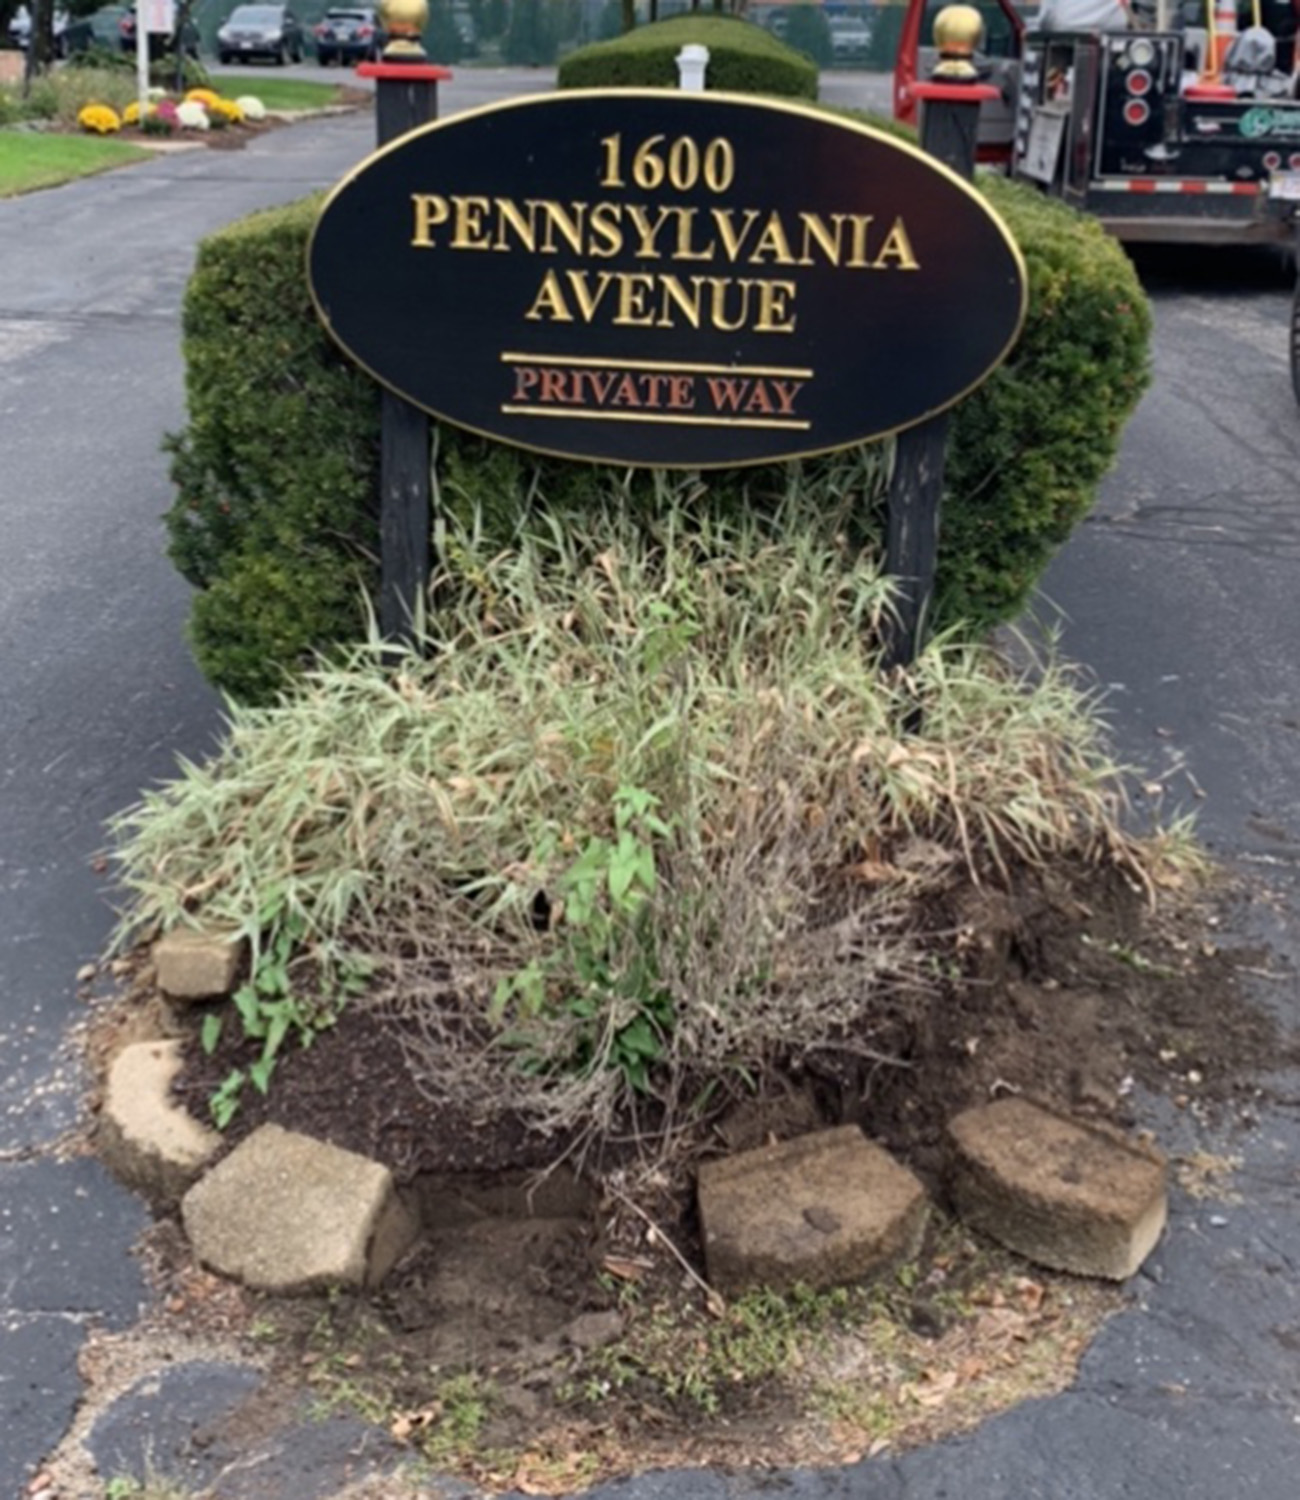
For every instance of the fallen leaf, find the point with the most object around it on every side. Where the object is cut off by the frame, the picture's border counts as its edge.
(407, 1422)
(625, 1267)
(1030, 1293)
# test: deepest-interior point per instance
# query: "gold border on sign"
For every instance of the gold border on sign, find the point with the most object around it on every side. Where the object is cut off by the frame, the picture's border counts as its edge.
(677, 99)
(599, 415)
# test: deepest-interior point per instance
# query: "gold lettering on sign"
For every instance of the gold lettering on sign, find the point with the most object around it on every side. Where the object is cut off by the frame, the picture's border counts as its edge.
(430, 209)
(639, 390)
(682, 264)
(735, 237)
(897, 247)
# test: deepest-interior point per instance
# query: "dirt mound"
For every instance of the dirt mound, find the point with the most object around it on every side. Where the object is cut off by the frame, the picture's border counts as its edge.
(546, 1340)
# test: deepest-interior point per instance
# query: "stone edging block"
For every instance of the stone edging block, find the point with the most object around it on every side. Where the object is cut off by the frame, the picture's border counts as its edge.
(821, 1210)
(285, 1213)
(1068, 1195)
(145, 1138)
(193, 966)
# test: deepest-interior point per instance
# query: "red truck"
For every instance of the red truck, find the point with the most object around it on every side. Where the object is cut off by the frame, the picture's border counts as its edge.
(1189, 133)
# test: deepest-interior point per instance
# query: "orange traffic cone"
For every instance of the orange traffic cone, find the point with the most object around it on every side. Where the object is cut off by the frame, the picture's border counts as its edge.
(1223, 32)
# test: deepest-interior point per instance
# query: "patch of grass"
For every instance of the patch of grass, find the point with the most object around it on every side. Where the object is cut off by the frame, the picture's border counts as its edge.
(932, 1348)
(279, 93)
(152, 1487)
(693, 1360)
(31, 160)
(455, 1420)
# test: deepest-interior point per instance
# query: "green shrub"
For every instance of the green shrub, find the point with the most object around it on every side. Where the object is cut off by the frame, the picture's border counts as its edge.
(163, 71)
(277, 470)
(743, 59)
(1030, 446)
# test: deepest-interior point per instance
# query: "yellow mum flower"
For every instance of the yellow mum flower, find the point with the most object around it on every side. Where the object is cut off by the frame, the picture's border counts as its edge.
(99, 118)
(206, 97)
(228, 110)
(131, 114)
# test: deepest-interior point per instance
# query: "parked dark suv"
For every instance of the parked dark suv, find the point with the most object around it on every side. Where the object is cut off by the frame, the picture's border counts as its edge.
(271, 31)
(347, 34)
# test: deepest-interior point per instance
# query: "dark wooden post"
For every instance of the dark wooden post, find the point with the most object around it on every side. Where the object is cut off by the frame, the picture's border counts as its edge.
(949, 118)
(406, 97)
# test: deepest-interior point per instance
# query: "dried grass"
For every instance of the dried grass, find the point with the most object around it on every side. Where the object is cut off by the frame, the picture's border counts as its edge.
(422, 811)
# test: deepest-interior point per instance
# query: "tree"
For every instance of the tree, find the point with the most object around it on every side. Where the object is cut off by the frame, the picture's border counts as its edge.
(530, 38)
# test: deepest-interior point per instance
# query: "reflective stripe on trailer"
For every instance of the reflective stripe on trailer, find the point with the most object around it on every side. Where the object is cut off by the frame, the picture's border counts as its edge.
(1175, 185)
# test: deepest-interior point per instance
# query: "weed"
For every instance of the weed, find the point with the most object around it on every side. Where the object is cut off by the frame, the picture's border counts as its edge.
(458, 1411)
(762, 1336)
(1129, 956)
(271, 1007)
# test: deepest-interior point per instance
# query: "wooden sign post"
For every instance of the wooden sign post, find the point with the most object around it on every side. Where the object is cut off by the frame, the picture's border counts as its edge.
(406, 97)
(950, 108)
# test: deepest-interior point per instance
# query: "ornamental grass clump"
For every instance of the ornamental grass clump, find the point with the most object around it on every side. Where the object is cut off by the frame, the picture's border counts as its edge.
(646, 821)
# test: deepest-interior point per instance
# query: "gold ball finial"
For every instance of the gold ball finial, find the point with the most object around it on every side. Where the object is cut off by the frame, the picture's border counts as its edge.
(404, 20)
(958, 30)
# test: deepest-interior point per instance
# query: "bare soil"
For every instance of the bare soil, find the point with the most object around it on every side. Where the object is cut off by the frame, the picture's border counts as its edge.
(543, 1341)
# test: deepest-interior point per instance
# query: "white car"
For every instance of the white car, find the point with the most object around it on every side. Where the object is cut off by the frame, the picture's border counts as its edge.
(850, 38)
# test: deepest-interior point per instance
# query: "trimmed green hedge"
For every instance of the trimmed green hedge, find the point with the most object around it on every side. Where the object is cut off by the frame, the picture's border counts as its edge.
(1028, 448)
(743, 59)
(278, 469)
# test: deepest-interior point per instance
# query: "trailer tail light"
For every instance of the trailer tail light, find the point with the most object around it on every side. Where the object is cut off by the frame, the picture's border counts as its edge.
(1136, 112)
(1138, 82)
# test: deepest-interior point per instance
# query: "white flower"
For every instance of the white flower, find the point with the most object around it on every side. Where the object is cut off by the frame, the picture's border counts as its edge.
(156, 94)
(192, 116)
(252, 107)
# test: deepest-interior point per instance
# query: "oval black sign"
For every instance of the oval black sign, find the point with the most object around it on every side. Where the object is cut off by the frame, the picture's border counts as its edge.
(664, 278)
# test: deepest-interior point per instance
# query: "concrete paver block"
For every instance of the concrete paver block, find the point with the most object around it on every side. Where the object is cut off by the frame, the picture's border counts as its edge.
(821, 1210)
(285, 1213)
(145, 1138)
(1067, 1195)
(197, 965)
